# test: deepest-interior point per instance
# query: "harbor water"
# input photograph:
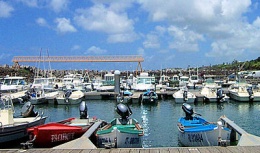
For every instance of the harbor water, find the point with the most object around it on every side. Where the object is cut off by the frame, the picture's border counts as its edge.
(159, 120)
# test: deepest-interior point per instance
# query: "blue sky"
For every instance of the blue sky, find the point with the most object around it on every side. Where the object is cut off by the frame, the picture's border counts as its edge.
(172, 33)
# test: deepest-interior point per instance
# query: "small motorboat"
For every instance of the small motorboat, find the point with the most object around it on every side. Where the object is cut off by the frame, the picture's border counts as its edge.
(184, 96)
(121, 132)
(195, 131)
(14, 128)
(55, 133)
(124, 97)
(70, 97)
(149, 96)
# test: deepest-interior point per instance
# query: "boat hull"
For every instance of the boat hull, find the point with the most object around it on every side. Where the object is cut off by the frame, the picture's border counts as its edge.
(53, 134)
(117, 139)
(202, 138)
(12, 133)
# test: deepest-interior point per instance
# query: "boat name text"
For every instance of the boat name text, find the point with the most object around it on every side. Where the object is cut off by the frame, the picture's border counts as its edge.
(195, 137)
(62, 137)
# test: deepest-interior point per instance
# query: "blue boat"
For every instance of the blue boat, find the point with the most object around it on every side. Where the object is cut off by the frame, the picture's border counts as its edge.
(149, 96)
(195, 131)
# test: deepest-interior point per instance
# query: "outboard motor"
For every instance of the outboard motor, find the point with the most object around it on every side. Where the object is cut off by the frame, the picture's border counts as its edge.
(68, 93)
(251, 94)
(124, 111)
(83, 110)
(220, 96)
(185, 95)
(188, 111)
(27, 110)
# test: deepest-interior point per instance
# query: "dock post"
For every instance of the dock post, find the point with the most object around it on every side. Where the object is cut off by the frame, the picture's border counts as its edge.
(117, 81)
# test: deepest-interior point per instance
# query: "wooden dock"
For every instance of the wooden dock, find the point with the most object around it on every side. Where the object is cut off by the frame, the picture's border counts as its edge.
(245, 139)
(217, 149)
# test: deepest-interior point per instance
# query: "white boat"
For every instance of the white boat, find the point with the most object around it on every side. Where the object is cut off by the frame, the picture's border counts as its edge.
(70, 97)
(184, 80)
(73, 81)
(144, 82)
(149, 97)
(15, 128)
(244, 92)
(183, 96)
(124, 132)
(37, 96)
(13, 84)
(124, 97)
(195, 131)
(108, 84)
(44, 83)
(212, 92)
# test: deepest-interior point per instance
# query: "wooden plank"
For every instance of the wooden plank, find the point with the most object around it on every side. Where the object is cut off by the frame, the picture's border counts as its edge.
(86, 150)
(154, 150)
(173, 150)
(164, 150)
(145, 150)
(134, 150)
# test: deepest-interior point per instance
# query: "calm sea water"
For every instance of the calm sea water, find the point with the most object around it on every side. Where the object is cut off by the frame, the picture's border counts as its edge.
(159, 120)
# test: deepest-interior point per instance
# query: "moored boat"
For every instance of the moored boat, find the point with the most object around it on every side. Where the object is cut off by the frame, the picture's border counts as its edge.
(195, 131)
(124, 97)
(121, 132)
(70, 97)
(55, 133)
(14, 128)
(149, 97)
(184, 96)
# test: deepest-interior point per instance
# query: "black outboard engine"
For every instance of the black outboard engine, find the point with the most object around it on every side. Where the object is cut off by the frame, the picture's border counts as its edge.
(124, 111)
(83, 110)
(220, 95)
(188, 111)
(68, 93)
(185, 95)
(251, 93)
(27, 110)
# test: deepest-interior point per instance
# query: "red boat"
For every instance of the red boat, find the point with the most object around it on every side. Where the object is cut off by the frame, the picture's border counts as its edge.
(52, 134)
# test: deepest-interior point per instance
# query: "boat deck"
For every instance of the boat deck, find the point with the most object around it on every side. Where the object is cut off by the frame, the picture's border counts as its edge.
(216, 149)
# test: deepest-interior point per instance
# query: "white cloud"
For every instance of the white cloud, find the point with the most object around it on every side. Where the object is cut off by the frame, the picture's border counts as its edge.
(184, 40)
(109, 19)
(95, 50)
(42, 22)
(58, 5)
(75, 47)
(5, 9)
(222, 23)
(64, 25)
(151, 41)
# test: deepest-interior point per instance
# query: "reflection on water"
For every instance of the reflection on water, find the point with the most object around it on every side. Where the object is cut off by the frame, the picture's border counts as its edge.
(159, 121)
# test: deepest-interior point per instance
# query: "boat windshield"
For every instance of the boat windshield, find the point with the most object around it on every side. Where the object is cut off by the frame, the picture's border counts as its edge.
(145, 80)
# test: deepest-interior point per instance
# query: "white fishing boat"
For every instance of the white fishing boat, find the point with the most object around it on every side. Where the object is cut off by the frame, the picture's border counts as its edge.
(144, 82)
(212, 92)
(124, 97)
(13, 84)
(183, 96)
(70, 97)
(37, 96)
(124, 132)
(44, 83)
(184, 80)
(13, 128)
(108, 84)
(244, 92)
(195, 131)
